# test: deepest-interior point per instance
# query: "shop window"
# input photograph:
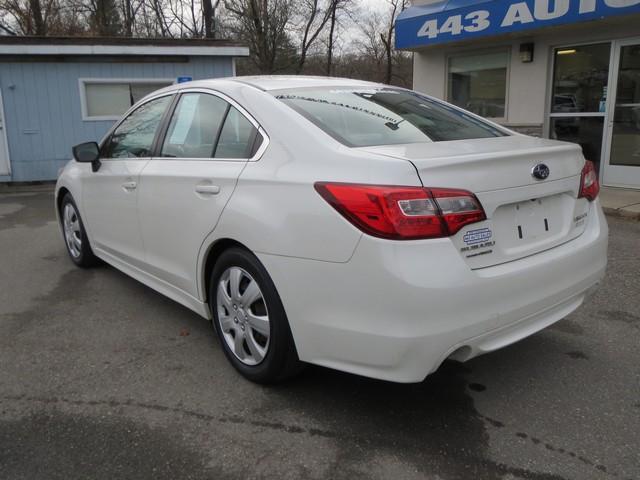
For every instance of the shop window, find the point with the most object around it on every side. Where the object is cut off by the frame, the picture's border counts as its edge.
(109, 99)
(580, 78)
(478, 83)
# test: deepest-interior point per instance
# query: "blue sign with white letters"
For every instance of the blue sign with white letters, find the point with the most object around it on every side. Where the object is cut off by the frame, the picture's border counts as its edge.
(455, 20)
(184, 79)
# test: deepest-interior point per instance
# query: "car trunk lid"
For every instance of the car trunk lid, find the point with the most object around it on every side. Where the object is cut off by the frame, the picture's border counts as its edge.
(525, 215)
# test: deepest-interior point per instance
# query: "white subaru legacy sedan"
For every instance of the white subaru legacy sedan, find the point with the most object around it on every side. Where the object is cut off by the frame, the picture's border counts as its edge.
(348, 224)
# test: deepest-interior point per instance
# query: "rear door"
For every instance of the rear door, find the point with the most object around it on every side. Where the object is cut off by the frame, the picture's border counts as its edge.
(109, 196)
(184, 188)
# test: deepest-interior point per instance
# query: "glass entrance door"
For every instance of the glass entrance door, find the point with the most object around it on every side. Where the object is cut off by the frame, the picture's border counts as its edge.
(622, 160)
(578, 111)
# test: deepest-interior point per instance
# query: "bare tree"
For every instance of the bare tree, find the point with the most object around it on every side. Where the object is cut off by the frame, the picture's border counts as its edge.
(335, 7)
(316, 19)
(127, 17)
(104, 18)
(27, 16)
(160, 19)
(209, 12)
(263, 25)
(387, 36)
(36, 15)
(370, 45)
(378, 37)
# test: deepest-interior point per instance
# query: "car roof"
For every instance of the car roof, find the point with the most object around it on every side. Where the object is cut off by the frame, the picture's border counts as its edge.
(278, 82)
(273, 82)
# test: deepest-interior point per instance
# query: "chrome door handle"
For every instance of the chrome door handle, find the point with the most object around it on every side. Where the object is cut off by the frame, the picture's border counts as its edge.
(129, 185)
(208, 189)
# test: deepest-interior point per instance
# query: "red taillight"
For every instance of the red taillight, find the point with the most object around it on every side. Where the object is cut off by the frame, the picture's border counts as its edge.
(403, 213)
(589, 186)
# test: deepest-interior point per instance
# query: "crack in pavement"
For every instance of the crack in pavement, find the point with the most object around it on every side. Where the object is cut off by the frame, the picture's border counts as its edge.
(552, 448)
(282, 427)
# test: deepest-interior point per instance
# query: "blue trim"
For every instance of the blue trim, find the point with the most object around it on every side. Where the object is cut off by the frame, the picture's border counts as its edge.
(421, 25)
(437, 7)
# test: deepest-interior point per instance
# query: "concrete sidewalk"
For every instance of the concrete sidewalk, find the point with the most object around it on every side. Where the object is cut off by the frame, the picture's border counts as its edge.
(621, 202)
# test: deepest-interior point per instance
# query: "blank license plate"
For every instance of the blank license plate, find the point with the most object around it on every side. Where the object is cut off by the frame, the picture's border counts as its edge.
(533, 220)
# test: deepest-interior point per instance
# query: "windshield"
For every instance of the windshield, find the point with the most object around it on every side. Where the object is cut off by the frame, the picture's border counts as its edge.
(383, 116)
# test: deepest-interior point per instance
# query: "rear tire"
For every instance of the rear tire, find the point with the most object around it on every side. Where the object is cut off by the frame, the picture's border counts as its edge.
(250, 320)
(75, 235)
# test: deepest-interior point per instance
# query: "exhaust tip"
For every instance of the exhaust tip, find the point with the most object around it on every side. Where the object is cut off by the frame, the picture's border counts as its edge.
(461, 354)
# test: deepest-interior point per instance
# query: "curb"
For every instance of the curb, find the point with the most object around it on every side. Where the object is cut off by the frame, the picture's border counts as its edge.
(27, 187)
(621, 213)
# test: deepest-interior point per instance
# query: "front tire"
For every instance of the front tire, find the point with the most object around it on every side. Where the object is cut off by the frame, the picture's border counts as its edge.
(250, 320)
(75, 235)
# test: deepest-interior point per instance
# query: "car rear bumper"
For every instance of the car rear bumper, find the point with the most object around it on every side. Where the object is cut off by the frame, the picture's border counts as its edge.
(396, 310)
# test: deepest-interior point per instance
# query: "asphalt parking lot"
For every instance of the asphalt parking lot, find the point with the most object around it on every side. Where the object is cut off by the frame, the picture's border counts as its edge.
(102, 378)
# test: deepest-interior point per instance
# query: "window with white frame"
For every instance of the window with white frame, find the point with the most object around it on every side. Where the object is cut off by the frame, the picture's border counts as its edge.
(108, 99)
(478, 83)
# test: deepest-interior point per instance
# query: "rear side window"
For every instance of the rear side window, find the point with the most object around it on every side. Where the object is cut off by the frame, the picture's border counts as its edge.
(237, 136)
(383, 116)
(194, 126)
(134, 136)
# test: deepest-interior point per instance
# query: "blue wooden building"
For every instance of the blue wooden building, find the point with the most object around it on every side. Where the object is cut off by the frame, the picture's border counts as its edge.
(57, 92)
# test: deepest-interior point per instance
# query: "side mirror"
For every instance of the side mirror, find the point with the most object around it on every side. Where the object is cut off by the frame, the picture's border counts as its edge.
(88, 152)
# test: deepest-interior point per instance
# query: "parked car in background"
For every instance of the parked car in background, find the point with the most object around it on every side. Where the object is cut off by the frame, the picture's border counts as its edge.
(353, 225)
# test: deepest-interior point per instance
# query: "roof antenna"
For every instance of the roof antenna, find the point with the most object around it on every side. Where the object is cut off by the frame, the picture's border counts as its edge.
(394, 125)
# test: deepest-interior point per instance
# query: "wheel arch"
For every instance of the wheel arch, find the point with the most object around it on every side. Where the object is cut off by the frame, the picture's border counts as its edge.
(211, 256)
(62, 191)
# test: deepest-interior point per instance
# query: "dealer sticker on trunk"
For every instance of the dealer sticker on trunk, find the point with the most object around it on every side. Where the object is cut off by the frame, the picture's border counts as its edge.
(480, 235)
(476, 240)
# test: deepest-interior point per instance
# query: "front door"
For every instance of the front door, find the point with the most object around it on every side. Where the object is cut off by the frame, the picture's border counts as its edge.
(622, 161)
(579, 110)
(4, 151)
(110, 195)
(185, 188)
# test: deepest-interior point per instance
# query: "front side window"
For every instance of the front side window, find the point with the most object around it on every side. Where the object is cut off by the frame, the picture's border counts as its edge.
(134, 136)
(383, 116)
(478, 83)
(108, 99)
(194, 126)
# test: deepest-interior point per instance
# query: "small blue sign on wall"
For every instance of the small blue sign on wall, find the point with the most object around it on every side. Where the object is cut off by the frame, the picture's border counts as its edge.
(455, 20)
(184, 79)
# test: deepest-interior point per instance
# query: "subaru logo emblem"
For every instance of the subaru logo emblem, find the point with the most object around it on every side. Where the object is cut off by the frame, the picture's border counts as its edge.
(540, 171)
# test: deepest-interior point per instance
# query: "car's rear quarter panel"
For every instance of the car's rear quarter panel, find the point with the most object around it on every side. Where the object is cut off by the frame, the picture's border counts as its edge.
(275, 208)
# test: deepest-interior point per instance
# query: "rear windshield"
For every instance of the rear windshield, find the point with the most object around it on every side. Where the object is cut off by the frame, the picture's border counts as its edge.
(384, 116)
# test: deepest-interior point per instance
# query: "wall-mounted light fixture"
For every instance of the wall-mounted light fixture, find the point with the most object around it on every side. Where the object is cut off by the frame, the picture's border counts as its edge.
(526, 52)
